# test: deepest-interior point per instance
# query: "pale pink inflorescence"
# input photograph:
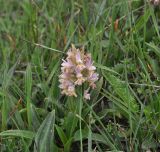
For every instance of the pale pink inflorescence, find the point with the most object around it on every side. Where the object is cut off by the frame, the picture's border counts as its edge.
(77, 69)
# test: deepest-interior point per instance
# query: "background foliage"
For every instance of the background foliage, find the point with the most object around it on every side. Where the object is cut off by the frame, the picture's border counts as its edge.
(124, 111)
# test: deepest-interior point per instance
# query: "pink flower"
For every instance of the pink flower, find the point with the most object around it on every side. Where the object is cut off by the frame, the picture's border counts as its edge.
(79, 75)
(86, 95)
(88, 61)
(78, 57)
(80, 81)
(80, 67)
(71, 91)
(77, 69)
(93, 77)
(91, 68)
(67, 64)
(64, 75)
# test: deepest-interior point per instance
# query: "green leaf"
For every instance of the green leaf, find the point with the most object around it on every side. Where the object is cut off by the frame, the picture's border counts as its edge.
(154, 48)
(28, 89)
(35, 118)
(6, 81)
(105, 68)
(45, 134)
(18, 133)
(96, 92)
(154, 65)
(70, 124)
(94, 136)
(107, 112)
(67, 146)
(61, 134)
(54, 70)
(142, 20)
(122, 91)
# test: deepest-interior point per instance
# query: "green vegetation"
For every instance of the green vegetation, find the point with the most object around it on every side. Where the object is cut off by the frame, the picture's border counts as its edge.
(123, 114)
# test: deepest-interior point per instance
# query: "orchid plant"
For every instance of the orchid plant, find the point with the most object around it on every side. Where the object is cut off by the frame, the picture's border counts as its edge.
(76, 70)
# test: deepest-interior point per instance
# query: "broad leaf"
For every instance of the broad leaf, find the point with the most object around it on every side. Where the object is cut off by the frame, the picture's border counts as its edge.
(18, 133)
(45, 134)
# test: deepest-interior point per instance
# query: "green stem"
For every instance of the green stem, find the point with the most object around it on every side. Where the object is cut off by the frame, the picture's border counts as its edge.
(80, 124)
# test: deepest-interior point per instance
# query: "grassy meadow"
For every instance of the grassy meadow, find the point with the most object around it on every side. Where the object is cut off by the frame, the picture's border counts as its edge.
(123, 114)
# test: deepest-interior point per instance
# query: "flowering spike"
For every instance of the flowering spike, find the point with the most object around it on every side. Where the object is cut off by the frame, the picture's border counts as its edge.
(77, 69)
